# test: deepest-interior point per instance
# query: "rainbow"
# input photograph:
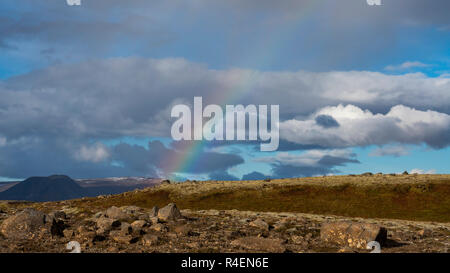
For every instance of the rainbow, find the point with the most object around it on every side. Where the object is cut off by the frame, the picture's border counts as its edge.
(183, 161)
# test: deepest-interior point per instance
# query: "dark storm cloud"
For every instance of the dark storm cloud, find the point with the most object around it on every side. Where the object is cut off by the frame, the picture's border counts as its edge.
(351, 29)
(56, 112)
(223, 176)
(113, 98)
(310, 163)
(326, 121)
(93, 29)
(336, 161)
(157, 155)
(38, 157)
(33, 156)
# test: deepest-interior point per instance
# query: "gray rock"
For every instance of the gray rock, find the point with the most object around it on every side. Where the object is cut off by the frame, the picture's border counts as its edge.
(258, 223)
(126, 228)
(116, 213)
(106, 224)
(169, 212)
(24, 225)
(154, 211)
(352, 234)
(280, 226)
(138, 225)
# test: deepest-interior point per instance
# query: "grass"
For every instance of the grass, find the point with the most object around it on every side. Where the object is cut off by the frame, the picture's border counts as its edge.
(409, 197)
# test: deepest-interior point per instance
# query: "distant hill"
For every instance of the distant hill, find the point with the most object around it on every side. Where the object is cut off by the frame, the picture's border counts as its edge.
(51, 188)
(62, 187)
(116, 185)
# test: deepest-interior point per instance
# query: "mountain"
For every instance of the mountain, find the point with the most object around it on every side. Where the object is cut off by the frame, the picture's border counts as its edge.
(39, 189)
(61, 187)
(116, 185)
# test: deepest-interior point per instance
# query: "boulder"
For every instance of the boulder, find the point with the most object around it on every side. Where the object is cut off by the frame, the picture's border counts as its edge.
(24, 225)
(154, 211)
(169, 212)
(352, 234)
(281, 225)
(126, 228)
(106, 224)
(138, 225)
(259, 223)
(116, 213)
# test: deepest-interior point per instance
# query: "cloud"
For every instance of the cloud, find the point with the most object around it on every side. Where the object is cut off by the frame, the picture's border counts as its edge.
(406, 66)
(390, 150)
(116, 97)
(419, 171)
(67, 33)
(33, 156)
(94, 153)
(254, 176)
(147, 28)
(363, 128)
(326, 121)
(23, 158)
(89, 102)
(222, 175)
(157, 157)
(3, 141)
(310, 163)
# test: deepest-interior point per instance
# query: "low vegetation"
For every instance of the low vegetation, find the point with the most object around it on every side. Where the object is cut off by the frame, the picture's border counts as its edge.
(408, 197)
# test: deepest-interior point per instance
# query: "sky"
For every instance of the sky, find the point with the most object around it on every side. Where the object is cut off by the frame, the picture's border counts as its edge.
(87, 90)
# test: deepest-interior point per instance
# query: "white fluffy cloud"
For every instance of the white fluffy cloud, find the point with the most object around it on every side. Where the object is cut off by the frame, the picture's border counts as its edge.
(95, 153)
(133, 96)
(359, 127)
(419, 171)
(109, 99)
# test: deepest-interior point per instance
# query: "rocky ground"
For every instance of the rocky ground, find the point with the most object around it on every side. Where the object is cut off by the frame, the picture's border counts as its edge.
(135, 229)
